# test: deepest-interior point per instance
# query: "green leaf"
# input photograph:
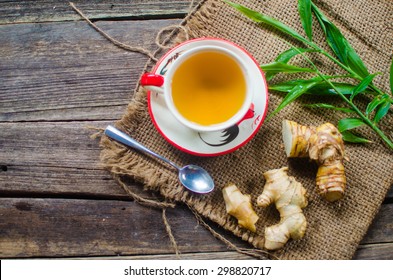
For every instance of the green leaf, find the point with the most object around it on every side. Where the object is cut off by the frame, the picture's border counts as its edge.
(285, 57)
(362, 85)
(324, 88)
(334, 37)
(391, 77)
(382, 111)
(285, 86)
(283, 67)
(304, 8)
(321, 88)
(352, 138)
(340, 45)
(261, 18)
(378, 100)
(350, 123)
(289, 85)
(328, 106)
(295, 93)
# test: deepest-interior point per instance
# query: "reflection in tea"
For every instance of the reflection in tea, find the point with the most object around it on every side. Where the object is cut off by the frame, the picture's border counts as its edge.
(208, 88)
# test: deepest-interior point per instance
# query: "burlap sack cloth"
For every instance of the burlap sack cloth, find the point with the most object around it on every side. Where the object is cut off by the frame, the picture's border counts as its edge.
(334, 229)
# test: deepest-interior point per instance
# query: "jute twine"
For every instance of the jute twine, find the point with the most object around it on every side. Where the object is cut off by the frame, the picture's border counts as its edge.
(334, 229)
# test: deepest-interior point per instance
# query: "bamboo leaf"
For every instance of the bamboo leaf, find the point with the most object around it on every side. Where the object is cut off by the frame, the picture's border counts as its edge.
(324, 88)
(283, 67)
(378, 100)
(285, 57)
(362, 85)
(328, 106)
(382, 111)
(304, 8)
(261, 18)
(321, 88)
(348, 59)
(350, 137)
(295, 93)
(289, 85)
(333, 36)
(339, 44)
(284, 87)
(350, 123)
(355, 62)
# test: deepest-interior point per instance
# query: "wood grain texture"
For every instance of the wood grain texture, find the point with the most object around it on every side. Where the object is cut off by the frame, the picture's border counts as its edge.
(382, 226)
(78, 227)
(229, 255)
(20, 11)
(66, 227)
(50, 144)
(67, 71)
(374, 252)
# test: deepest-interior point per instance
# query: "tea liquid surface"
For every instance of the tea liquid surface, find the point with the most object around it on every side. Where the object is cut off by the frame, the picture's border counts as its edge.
(208, 88)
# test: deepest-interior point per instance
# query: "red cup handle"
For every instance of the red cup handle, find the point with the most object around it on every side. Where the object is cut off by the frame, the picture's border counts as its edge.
(150, 79)
(152, 82)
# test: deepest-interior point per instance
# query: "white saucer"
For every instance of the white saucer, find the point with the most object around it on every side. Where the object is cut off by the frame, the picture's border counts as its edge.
(211, 143)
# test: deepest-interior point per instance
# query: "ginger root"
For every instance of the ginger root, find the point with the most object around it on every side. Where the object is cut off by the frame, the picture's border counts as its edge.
(239, 206)
(323, 144)
(289, 197)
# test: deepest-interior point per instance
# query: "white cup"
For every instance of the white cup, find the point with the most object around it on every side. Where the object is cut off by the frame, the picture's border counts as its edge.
(163, 84)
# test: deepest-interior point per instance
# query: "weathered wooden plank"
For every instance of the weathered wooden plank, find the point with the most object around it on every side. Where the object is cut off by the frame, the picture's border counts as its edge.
(364, 252)
(53, 159)
(68, 71)
(21, 11)
(382, 226)
(390, 193)
(46, 181)
(61, 227)
(184, 256)
(52, 144)
(374, 252)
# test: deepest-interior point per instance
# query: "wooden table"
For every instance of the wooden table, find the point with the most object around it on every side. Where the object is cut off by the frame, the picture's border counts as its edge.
(58, 76)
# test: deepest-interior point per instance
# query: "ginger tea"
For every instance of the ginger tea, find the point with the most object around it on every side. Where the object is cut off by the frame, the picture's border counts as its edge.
(208, 88)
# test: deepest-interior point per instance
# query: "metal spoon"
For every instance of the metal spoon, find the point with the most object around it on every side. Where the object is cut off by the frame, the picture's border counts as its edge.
(193, 177)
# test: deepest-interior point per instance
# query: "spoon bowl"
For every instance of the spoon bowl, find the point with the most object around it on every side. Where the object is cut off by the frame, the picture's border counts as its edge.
(192, 177)
(196, 179)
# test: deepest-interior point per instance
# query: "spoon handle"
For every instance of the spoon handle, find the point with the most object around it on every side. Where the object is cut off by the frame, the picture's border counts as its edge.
(123, 138)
